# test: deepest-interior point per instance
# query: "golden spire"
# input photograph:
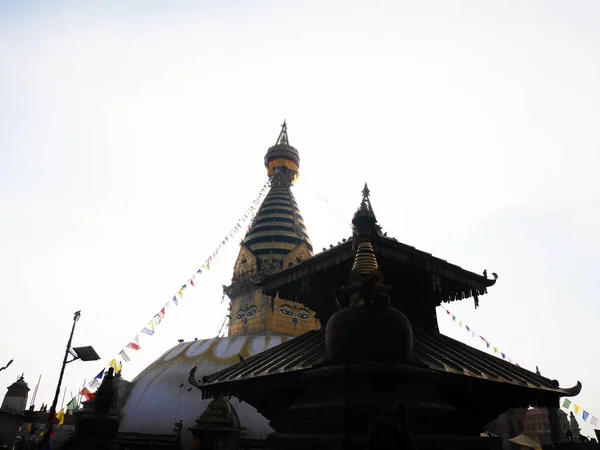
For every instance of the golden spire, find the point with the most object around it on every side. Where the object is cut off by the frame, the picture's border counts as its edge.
(365, 262)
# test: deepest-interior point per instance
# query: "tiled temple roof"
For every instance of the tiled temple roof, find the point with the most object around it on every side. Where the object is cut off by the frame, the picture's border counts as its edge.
(434, 351)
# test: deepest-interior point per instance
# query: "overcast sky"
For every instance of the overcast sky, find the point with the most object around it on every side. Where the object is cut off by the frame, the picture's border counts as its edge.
(132, 137)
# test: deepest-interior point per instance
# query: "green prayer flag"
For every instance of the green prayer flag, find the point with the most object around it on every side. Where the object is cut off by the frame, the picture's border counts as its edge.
(567, 403)
(73, 406)
(453, 318)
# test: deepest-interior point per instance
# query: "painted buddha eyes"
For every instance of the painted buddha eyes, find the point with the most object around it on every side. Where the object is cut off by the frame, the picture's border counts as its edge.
(243, 313)
(287, 310)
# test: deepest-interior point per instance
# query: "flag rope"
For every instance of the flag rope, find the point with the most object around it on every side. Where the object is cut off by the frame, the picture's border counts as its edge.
(585, 415)
(149, 329)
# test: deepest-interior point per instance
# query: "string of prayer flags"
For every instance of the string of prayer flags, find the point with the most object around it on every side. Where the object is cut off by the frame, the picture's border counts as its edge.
(584, 413)
(488, 344)
(150, 328)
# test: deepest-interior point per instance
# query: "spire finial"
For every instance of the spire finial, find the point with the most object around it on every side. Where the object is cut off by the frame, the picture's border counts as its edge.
(366, 192)
(283, 137)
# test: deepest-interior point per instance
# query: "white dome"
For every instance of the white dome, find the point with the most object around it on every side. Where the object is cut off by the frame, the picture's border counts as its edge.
(157, 401)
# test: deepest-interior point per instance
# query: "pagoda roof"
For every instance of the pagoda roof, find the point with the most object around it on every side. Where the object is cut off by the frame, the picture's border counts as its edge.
(433, 351)
(399, 263)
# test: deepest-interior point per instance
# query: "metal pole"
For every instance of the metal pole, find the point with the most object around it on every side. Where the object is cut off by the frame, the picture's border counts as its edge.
(46, 439)
(63, 400)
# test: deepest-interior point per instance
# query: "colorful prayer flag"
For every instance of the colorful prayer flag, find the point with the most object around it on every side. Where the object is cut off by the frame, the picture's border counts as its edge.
(180, 293)
(447, 312)
(87, 394)
(149, 329)
(161, 313)
(460, 323)
(453, 318)
(135, 343)
(174, 299)
(566, 403)
(72, 406)
(495, 350)
(199, 271)
(192, 282)
(467, 327)
(576, 408)
(183, 286)
(61, 417)
(114, 365)
(585, 415)
(157, 319)
(594, 421)
(503, 355)
(124, 355)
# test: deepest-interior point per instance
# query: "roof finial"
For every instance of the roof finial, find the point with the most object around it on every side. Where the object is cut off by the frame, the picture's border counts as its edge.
(283, 137)
(366, 191)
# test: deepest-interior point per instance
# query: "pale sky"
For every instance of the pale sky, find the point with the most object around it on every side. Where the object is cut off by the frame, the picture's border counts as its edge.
(132, 137)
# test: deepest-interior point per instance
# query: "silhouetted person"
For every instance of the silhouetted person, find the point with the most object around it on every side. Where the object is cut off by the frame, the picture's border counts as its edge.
(569, 435)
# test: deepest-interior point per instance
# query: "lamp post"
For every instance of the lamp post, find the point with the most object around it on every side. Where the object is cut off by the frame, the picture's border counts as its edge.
(88, 355)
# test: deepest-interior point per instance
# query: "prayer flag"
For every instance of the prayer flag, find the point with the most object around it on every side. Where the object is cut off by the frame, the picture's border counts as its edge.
(135, 343)
(175, 299)
(503, 355)
(460, 323)
(114, 365)
(585, 415)
(192, 282)
(87, 394)
(73, 405)
(61, 417)
(453, 318)
(95, 384)
(180, 293)
(149, 329)
(124, 355)
(447, 312)
(199, 271)
(183, 286)
(495, 350)
(157, 319)
(576, 408)
(467, 327)
(161, 313)
(594, 421)
(487, 344)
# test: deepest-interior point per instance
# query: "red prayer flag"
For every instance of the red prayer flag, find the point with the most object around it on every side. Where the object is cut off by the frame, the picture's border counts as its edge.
(192, 282)
(87, 394)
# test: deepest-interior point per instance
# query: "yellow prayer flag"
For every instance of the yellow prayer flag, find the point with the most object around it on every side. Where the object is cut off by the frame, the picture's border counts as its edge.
(576, 408)
(495, 350)
(460, 323)
(61, 417)
(180, 293)
(114, 365)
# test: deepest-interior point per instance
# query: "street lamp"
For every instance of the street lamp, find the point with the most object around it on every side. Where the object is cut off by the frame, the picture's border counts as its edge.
(6, 366)
(83, 353)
